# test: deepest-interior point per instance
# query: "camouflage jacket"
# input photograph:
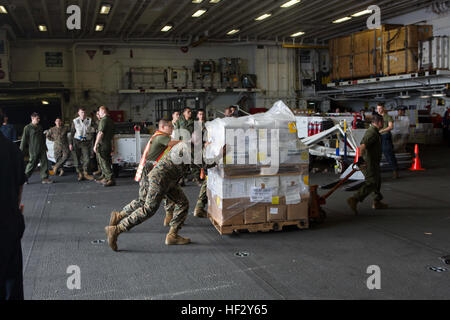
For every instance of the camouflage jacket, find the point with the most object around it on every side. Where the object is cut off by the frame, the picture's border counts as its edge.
(58, 136)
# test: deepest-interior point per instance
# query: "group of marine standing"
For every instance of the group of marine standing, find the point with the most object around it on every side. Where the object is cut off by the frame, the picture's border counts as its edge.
(84, 139)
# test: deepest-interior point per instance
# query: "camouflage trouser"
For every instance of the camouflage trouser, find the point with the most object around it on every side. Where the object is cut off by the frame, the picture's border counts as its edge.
(61, 155)
(139, 203)
(202, 198)
(105, 162)
(81, 155)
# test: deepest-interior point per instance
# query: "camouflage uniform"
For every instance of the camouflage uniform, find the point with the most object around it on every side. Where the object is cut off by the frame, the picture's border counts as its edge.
(61, 150)
(163, 182)
(202, 198)
(144, 186)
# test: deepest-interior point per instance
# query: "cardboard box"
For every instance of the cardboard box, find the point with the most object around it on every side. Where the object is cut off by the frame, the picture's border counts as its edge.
(276, 212)
(403, 61)
(255, 214)
(298, 211)
(226, 212)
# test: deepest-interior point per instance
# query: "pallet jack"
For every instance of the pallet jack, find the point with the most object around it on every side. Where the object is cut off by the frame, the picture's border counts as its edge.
(316, 213)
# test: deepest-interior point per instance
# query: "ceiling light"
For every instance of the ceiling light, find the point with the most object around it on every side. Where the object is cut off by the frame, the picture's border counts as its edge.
(214, 1)
(105, 9)
(3, 9)
(361, 13)
(232, 32)
(438, 95)
(197, 1)
(99, 27)
(290, 3)
(264, 16)
(45, 102)
(425, 96)
(166, 28)
(42, 27)
(297, 34)
(198, 13)
(342, 20)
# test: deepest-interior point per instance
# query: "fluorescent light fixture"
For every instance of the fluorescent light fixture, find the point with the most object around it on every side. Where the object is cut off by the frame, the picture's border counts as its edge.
(166, 28)
(264, 16)
(45, 102)
(105, 9)
(42, 27)
(361, 13)
(342, 20)
(438, 95)
(214, 1)
(99, 27)
(197, 1)
(297, 34)
(232, 32)
(425, 96)
(404, 96)
(198, 13)
(3, 9)
(290, 3)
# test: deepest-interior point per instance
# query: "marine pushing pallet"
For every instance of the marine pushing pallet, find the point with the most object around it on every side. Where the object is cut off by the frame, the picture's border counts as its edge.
(258, 227)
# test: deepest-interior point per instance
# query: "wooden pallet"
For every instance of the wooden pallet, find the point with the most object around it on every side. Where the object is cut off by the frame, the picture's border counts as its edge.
(258, 227)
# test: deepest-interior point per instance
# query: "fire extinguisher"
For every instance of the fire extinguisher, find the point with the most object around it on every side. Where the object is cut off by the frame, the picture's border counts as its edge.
(310, 129)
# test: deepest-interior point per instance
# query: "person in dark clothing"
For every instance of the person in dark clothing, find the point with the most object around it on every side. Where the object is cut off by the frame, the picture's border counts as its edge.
(12, 225)
(386, 139)
(446, 126)
(8, 129)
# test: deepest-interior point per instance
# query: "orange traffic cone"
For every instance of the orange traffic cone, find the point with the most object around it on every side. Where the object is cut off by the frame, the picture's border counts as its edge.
(357, 155)
(416, 165)
(202, 174)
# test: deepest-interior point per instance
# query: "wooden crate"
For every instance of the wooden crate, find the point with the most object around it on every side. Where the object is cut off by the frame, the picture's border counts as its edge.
(366, 41)
(400, 62)
(341, 46)
(342, 68)
(367, 64)
(405, 37)
(258, 227)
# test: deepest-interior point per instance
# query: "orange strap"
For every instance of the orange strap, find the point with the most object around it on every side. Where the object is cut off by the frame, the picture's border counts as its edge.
(141, 166)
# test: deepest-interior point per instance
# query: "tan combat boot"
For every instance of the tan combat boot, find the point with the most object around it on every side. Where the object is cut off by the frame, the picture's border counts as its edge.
(97, 173)
(61, 172)
(112, 233)
(167, 219)
(80, 176)
(353, 204)
(115, 218)
(87, 176)
(200, 213)
(109, 183)
(173, 238)
(378, 205)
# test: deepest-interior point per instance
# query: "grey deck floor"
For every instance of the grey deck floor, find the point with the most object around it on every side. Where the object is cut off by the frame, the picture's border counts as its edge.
(326, 262)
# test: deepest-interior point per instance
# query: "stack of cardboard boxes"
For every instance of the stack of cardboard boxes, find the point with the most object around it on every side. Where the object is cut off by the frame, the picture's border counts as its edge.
(390, 50)
(264, 176)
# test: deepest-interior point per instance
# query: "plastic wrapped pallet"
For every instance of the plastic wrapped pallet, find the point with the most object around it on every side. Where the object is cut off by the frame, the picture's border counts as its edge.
(265, 140)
